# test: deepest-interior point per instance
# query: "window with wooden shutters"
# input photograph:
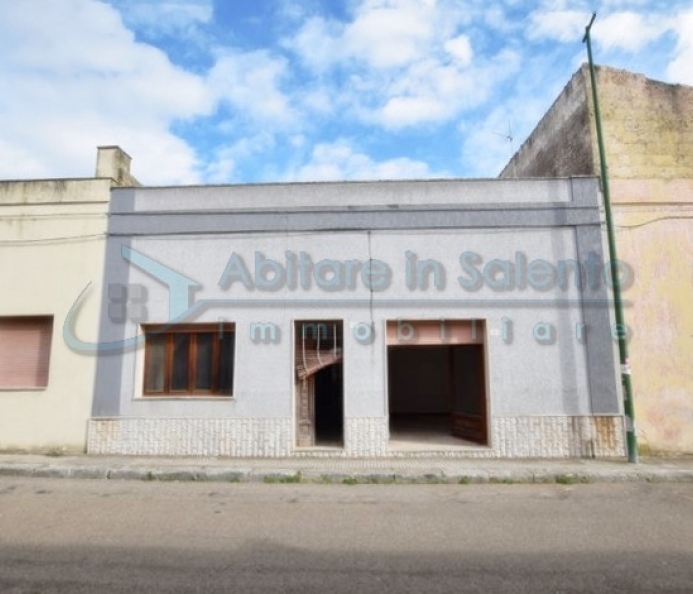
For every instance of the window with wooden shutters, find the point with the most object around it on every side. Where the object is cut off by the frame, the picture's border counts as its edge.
(25, 351)
(189, 360)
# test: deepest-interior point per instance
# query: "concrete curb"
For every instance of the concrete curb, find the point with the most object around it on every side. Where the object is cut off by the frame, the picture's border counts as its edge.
(489, 474)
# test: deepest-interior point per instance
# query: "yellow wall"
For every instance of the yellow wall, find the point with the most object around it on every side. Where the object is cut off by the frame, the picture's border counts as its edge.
(648, 126)
(654, 234)
(648, 131)
(52, 238)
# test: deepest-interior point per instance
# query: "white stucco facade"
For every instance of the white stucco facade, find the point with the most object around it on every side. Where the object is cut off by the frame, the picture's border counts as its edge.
(271, 256)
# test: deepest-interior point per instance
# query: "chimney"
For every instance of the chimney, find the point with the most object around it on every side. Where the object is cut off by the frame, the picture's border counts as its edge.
(114, 163)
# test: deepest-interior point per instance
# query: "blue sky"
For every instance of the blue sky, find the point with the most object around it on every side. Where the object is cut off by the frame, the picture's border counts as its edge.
(244, 91)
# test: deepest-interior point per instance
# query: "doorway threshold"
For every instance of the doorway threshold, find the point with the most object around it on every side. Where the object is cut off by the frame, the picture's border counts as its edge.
(434, 445)
(319, 449)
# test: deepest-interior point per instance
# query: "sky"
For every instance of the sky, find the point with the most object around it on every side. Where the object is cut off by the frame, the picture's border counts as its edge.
(255, 91)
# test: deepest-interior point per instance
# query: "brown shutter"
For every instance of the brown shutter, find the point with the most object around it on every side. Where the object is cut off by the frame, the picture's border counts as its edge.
(25, 349)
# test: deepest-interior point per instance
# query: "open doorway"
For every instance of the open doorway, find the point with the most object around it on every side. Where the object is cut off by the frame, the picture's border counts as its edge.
(436, 386)
(319, 381)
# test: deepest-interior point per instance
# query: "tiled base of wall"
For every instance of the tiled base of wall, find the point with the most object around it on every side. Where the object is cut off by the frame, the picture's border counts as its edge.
(559, 437)
(512, 437)
(366, 436)
(266, 438)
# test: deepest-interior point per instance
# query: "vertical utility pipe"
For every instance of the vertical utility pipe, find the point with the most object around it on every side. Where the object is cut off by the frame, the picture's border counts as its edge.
(621, 329)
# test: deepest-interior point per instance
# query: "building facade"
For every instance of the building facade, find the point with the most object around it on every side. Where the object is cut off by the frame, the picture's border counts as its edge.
(648, 130)
(468, 318)
(52, 240)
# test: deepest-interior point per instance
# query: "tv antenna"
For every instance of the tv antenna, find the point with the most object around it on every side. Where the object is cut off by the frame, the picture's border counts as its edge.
(509, 137)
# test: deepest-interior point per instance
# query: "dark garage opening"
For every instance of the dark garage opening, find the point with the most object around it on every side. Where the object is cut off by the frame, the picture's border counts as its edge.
(436, 395)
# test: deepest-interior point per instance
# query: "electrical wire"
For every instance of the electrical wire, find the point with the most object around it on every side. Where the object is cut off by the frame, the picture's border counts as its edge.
(52, 240)
(657, 220)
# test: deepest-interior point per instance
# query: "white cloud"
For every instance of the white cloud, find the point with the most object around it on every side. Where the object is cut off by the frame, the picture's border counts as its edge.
(19, 162)
(499, 21)
(561, 25)
(628, 31)
(399, 112)
(461, 49)
(681, 67)
(74, 76)
(383, 34)
(317, 43)
(223, 165)
(404, 63)
(430, 92)
(630, 27)
(387, 34)
(339, 161)
(250, 82)
(79, 79)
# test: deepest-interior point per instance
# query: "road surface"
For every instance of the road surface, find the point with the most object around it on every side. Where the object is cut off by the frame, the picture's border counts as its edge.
(101, 536)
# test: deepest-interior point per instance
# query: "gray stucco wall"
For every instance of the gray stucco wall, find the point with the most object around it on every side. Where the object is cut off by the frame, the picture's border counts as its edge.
(540, 359)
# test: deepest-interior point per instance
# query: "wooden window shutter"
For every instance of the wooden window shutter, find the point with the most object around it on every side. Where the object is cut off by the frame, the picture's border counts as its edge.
(25, 349)
(189, 359)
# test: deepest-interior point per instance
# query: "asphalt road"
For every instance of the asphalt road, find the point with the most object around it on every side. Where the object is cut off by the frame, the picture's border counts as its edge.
(102, 536)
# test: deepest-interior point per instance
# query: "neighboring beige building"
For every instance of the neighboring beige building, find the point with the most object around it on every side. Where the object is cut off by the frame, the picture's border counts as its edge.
(648, 130)
(52, 238)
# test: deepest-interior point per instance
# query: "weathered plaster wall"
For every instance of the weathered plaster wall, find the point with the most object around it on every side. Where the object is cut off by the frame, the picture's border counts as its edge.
(561, 143)
(113, 162)
(52, 243)
(52, 240)
(648, 126)
(648, 130)
(656, 238)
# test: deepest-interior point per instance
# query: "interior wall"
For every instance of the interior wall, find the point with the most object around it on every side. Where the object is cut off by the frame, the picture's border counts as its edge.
(419, 382)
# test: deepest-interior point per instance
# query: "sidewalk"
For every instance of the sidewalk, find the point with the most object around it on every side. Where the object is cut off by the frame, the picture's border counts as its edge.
(346, 470)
